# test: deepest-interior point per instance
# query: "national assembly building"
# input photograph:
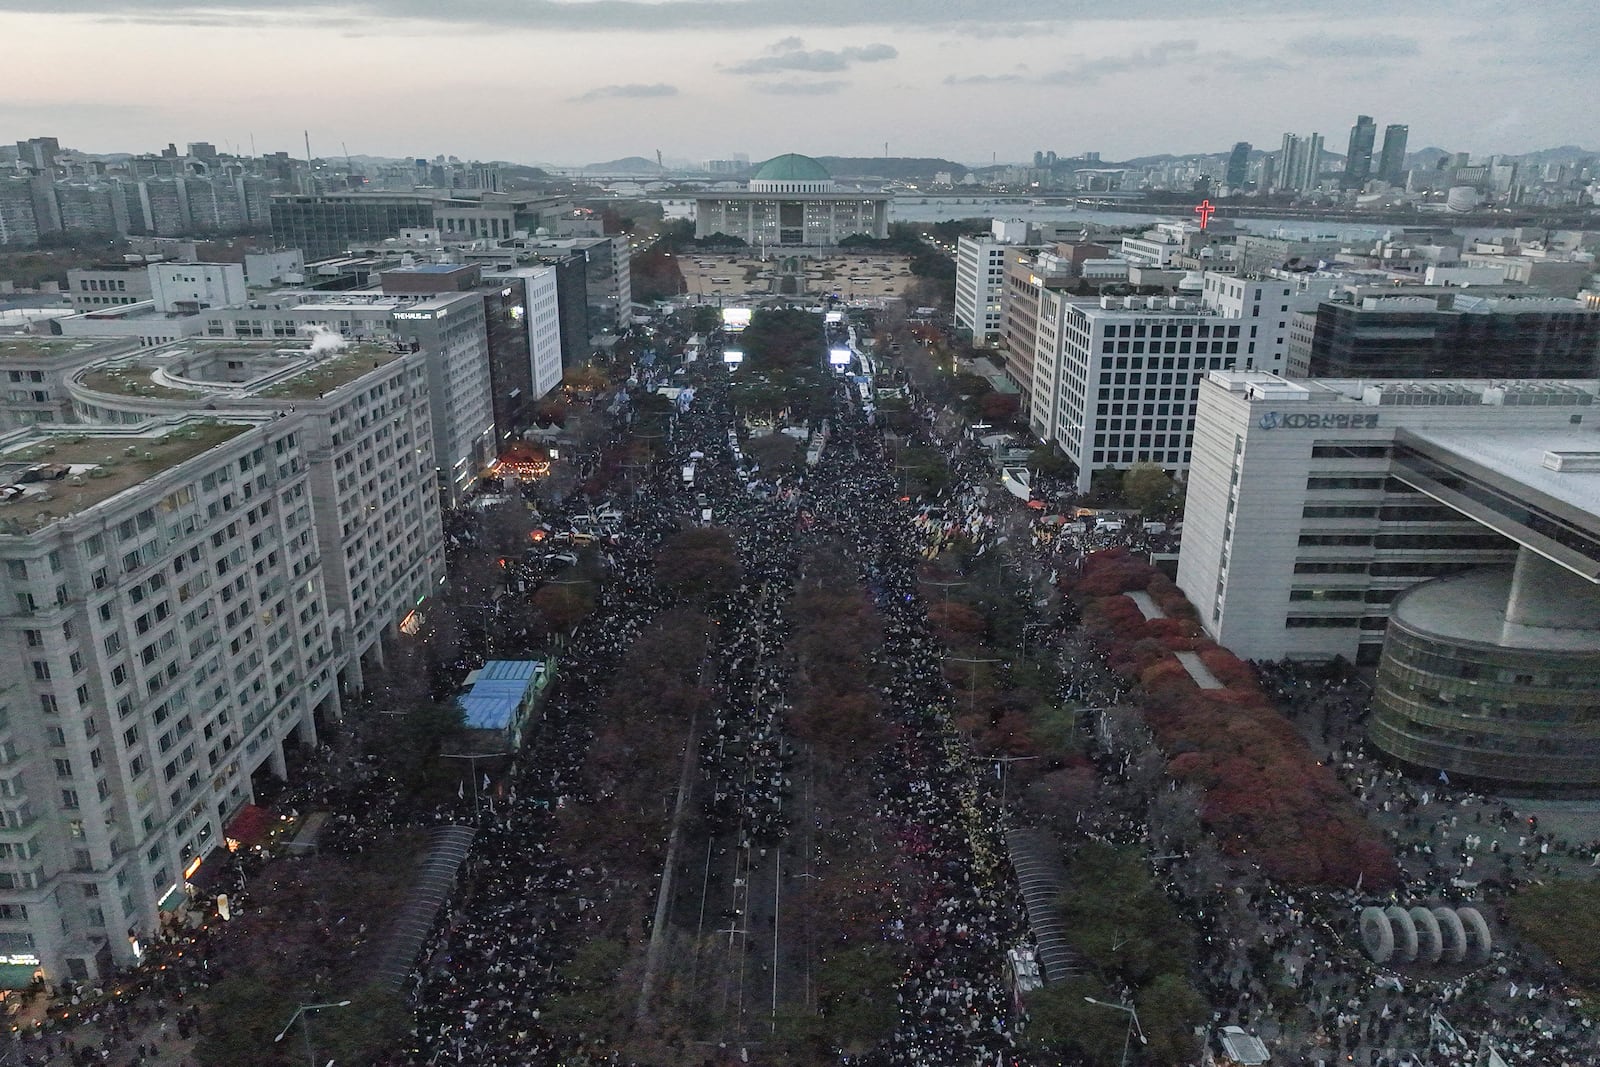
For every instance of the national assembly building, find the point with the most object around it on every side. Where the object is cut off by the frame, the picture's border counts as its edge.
(792, 202)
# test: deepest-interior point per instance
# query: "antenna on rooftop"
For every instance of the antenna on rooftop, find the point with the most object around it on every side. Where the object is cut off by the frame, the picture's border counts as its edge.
(308, 146)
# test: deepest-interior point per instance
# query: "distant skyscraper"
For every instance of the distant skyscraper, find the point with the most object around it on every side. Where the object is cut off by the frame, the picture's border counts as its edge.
(1358, 160)
(1299, 163)
(1238, 164)
(1392, 164)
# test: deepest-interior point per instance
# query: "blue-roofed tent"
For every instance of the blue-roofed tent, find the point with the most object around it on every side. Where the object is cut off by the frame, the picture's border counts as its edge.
(503, 694)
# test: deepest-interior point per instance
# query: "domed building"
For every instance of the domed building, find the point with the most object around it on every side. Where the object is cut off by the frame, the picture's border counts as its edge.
(792, 202)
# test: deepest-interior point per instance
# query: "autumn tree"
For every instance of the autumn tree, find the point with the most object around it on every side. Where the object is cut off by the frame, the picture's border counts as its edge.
(698, 564)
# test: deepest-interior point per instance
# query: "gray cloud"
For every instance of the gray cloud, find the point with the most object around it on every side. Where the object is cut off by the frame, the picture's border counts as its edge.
(1355, 45)
(782, 57)
(989, 19)
(632, 90)
(798, 88)
(1090, 71)
(980, 79)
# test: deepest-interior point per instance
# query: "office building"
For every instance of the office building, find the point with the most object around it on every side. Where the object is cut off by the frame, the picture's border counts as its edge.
(981, 279)
(1268, 302)
(108, 285)
(792, 201)
(1238, 166)
(1114, 380)
(188, 288)
(1358, 156)
(1392, 162)
(1426, 332)
(523, 316)
(1446, 530)
(326, 224)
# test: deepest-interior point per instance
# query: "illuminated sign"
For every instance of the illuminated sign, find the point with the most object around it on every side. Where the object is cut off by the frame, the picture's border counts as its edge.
(732, 355)
(21, 960)
(194, 865)
(735, 319)
(1277, 420)
(1205, 211)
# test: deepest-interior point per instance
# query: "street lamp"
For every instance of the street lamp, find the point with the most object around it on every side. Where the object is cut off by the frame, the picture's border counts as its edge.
(1133, 1025)
(305, 1025)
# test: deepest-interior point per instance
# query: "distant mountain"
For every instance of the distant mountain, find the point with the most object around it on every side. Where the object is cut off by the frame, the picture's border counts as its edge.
(1567, 153)
(626, 165)
(897, 167)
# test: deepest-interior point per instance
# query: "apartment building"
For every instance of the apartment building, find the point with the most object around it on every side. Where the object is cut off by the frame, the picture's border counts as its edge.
(370, 421)
(35, 371)
(167, 631)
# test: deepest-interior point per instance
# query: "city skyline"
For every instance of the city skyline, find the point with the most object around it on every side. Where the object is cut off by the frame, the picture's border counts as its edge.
(581, 82)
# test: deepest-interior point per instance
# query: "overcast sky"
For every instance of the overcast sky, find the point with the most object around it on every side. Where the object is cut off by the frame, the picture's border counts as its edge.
(575, 81)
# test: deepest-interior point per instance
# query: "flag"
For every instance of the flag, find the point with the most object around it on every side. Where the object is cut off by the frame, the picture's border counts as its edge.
(461, 790)
(486, 781)
(1445, 778)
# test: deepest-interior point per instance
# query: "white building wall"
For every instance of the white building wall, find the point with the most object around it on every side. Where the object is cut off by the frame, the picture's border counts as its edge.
(206, 284)
(1295, 538)
(980, 282)
(170, 638)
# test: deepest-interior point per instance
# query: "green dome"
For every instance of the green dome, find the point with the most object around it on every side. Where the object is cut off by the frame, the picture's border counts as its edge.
(791, 168)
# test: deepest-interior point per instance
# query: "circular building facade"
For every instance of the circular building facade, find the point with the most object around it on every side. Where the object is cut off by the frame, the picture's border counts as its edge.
(1464, 689)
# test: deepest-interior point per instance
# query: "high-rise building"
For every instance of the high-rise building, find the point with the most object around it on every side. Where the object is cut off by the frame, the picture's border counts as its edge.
(1238, 165)
(1447, 332)
(166, 634)
(981, 279)
(325, 225)
(1358, 157)
(1392, 163)
(1446, 530)
(1299, 163)
(523, 317)
(39, 153)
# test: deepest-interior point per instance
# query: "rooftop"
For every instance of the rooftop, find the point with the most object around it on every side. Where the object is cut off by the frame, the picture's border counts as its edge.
(334, 372)
(1472, 607)
(47, 347)
(1520, 455)
(791, 167)
(99, 467)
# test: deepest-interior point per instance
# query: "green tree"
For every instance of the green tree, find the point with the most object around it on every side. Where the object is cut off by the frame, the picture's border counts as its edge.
(1050, 461)
(1148, 488)
(1170, 1009)
(775, 453)
(1062, 1022)
(856, 992)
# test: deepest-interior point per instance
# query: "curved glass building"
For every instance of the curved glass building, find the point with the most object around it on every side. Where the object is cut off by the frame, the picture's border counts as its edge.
(1477, 682)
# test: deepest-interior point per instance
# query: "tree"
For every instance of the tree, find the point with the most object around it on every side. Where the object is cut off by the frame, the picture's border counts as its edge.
(1063, 1022)
(999, 408)
(698, 564)
(1170, 1009)
(564, 604)
(1147, 488)
(775, 453)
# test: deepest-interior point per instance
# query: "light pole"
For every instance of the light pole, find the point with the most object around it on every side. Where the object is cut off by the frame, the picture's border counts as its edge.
(305, 1025)
(1133, 1024)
